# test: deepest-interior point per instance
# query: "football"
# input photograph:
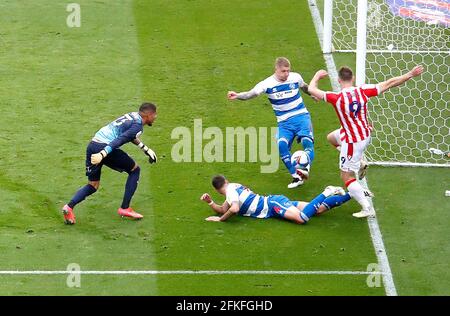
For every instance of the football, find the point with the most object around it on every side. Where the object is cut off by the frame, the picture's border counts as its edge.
(300, 160)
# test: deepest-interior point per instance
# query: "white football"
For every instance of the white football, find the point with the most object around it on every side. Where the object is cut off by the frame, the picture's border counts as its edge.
(300, 160)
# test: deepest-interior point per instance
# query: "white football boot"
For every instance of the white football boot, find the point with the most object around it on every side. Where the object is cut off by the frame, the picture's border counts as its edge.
(370, 212)
(296, 182)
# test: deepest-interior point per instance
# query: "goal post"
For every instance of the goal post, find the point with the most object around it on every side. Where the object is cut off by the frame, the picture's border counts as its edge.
(389, 37)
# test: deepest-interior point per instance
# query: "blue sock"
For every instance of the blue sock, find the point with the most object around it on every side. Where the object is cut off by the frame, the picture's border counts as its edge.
(285, 155)
(312, 207)
(336, 200)
(130, 187)
(308, 147)
(81, 194)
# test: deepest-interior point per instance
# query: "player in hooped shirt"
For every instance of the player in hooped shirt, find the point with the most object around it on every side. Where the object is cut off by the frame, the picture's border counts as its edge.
(351, 108)
(294, 121)
(240, 200)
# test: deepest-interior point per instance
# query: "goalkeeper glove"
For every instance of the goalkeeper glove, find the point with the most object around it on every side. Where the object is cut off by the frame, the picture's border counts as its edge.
(150, 153)
(98, 157)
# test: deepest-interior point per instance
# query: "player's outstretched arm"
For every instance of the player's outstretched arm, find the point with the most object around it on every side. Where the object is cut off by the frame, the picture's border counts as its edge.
(313, 85)
(396, 81)
(232, 95)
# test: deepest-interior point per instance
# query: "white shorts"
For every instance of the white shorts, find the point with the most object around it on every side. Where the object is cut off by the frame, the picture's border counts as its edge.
(351, 155)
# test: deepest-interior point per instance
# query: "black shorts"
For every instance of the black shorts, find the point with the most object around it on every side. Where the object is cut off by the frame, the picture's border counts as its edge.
(117, 160)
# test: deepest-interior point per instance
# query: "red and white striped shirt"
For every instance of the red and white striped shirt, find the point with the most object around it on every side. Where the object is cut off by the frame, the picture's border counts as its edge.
(351, 107)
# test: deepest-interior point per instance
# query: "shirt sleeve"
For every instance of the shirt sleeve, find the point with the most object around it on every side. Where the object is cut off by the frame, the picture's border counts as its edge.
(260, 88)
(331, 97)
(232, 196)
(370, 90)
(128, 135)
(299, 79)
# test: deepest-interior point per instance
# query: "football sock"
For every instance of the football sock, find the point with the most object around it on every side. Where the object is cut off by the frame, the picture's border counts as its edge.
(312, 207)
(285, 155)
(357, 192)
(130, 187)
(308, 147)
(81, 194)
(336, 200)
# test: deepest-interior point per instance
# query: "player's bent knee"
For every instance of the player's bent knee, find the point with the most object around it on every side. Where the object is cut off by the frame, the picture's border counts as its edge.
(292, 214)
(135, 170)
(299, 221)
(136, 167)
(94, 184)
(347, 176)
(331, 139)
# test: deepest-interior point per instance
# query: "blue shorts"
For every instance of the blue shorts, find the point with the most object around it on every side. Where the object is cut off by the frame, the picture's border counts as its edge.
(117, 160)
(297, 126)
(278, 204)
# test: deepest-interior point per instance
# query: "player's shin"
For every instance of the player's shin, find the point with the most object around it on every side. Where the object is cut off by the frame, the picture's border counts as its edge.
(308, 147)
(81, 194)
(311, 209)
(285, 155)
(357, 192)
(336, 200)
(130, 187)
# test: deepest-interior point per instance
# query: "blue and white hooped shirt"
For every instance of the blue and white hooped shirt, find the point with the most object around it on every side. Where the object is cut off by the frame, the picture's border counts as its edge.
(285, 97)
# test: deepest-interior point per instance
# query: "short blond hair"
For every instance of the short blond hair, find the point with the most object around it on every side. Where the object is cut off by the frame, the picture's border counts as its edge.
(282, 62)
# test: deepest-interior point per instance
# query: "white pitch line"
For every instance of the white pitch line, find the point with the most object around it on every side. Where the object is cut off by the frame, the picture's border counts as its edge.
(188, 272)
(374, 228)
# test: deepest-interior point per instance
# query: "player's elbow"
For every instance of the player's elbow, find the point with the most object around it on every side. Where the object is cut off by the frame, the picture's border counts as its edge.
(234, 209)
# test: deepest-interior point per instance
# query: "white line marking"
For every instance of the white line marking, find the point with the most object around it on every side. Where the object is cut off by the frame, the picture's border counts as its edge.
(189, 272)
(374, 228)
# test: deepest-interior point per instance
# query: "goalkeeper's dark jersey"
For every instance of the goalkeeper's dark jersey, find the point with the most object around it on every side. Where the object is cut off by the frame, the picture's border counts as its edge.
(123, 130)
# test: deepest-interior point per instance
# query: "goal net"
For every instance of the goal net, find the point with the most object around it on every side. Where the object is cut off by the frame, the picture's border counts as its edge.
(410, 119)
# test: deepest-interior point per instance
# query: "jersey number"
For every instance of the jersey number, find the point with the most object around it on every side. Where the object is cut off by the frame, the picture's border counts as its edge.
(355, 108)
(122, 120)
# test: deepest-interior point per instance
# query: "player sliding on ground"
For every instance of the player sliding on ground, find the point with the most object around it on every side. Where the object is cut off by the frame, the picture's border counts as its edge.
(104, 150)
(350, 105)
(242, 201)
(294, 121)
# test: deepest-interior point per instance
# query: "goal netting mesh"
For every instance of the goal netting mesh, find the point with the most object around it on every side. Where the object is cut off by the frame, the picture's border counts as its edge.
(411, 119)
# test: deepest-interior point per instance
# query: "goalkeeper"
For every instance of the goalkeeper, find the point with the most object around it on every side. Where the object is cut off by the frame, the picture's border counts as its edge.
(104, 150)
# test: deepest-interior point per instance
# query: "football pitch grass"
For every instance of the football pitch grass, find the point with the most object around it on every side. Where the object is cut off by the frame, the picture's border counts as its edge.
(59, 85)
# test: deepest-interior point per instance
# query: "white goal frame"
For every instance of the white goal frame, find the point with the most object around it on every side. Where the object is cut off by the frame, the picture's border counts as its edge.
(361, 50)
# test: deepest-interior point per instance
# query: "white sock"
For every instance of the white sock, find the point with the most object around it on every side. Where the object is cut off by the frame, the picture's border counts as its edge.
(356, 191)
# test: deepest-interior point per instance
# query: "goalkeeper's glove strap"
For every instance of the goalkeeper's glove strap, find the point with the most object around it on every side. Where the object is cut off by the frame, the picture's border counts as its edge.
(143, 147)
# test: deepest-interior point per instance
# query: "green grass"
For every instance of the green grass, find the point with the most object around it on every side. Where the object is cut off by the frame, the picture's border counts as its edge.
(59, 85)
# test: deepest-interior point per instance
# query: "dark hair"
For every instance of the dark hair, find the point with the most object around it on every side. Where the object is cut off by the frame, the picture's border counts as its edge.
(218, 181)
(147, 107)
(345, 73)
